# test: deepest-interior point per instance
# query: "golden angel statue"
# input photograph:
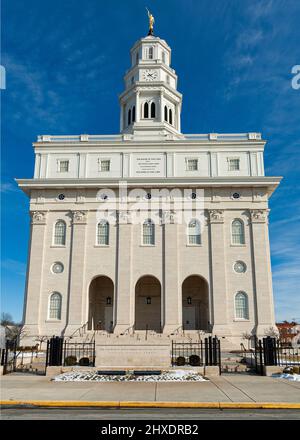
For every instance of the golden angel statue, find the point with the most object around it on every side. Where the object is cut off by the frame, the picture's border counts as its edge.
(151, 22)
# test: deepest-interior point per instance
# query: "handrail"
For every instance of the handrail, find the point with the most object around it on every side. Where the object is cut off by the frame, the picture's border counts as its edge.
(83, 327)
(176, 331)
(126, 331)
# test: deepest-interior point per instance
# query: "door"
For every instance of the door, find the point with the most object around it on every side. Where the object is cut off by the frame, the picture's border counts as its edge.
(189, 318)
(108, 318)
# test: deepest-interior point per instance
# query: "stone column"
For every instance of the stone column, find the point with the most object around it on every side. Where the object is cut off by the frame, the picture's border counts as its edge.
(171, 289)
(161, 107)
(137, 107)
(262, 274)
(218, 285)
(123, 297)
(35, 268)
(75, 316)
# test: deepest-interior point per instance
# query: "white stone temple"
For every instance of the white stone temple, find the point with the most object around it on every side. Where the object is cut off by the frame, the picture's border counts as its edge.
(151, 234)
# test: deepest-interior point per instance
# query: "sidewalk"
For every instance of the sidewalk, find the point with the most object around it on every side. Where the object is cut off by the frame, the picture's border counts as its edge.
(234, 390)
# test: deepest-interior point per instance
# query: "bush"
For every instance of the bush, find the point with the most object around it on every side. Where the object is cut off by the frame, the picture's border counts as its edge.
(180, 361)
(70, 360)
(84, 362)
(194, 360)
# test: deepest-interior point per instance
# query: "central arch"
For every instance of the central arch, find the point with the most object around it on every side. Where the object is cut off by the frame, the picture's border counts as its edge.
(195, 305)
(101, 299)
(148, 304)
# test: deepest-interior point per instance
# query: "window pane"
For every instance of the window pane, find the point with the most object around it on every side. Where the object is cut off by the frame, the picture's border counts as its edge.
(64, 166)
(148, 233)
(103, 233)
(238, 236)
(192, 164)
(194, 232)
(55, 306)
(105, 165)
(60, 233)
(241, 306)
(234, 164)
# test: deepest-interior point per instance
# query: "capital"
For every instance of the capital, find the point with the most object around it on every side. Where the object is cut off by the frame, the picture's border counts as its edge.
(216, 215)
(259, 215)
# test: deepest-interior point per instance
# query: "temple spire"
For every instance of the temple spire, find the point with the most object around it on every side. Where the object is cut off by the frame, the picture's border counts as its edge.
(151, 22)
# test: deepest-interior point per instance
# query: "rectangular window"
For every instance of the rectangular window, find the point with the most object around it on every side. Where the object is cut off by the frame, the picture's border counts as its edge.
(63, 166)
(105, 165)
(233, 164)
(192, 164)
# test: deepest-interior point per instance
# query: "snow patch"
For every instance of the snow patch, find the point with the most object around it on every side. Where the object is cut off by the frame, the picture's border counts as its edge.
(294, 377)
(169, 376)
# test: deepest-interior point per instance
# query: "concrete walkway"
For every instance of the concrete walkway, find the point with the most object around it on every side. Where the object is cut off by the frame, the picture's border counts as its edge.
(226, 388)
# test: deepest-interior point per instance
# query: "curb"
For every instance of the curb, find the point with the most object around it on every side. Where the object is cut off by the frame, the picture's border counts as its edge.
(143, 404)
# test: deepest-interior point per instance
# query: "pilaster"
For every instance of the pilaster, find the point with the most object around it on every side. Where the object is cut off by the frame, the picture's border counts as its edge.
(219, 300)
(76, 292)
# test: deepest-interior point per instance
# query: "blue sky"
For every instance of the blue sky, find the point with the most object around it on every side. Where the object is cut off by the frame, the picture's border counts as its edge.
(65, 60)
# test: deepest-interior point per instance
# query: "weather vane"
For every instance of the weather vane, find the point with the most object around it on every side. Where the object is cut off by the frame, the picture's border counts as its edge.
(151, 22)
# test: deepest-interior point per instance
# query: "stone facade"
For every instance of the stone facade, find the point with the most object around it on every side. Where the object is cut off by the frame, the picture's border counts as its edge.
(120, 283)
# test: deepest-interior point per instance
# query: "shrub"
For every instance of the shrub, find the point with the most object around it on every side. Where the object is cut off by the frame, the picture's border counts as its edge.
(70, 360)
(84, 362)
(194, 360)
(180, 361)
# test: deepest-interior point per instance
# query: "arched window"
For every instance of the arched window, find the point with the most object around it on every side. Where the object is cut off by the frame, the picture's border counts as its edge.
(148, 232)
(129, 116)
(103, 233)
(146, 110)
(166, 113)
(150, 53)
(237, 232)
(60, 233)
(137, 58)
(194, 232)
(153, 110)
(170, 117)
(55, 306)
(133, 113)
(241, 306)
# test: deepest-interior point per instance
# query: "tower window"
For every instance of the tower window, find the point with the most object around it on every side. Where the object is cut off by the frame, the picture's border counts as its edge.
(148, 232)
(63, 166)
(150, 53)
(168, 79)
(170, 117)
(55, 306)
(105, 165)
(129, 116)
(60, 233)
(103, 233)
(233, 164)
(146, 110)
(153, 110)
(166, 113)
(241, 306)
(137, 58)
(237, 232)
(192, 164)
(133, 113)
(163, 55)
(194, 232)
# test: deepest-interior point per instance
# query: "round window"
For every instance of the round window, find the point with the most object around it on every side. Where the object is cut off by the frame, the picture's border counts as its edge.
(240, 267)
(57, 267)
(148, 196)
(61, 197)
(193, 196)
(236, 195)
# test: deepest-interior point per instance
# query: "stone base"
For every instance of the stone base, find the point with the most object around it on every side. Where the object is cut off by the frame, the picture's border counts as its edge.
(268, 370)
(211, 370)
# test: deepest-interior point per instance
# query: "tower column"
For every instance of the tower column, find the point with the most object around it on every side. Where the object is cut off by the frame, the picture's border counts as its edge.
(161, 106)
(171, 300)
(77, 270)
(263, 292)
(137, 107)
(124, 314)
(31, 315)
(218, 284)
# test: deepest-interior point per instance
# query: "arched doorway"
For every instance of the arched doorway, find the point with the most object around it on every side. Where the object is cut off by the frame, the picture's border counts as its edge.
(195, 314)
(101, 298)
(148, 304)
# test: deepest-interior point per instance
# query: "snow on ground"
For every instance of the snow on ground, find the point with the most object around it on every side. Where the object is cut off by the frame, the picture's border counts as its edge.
(295, 377)
(168, 376)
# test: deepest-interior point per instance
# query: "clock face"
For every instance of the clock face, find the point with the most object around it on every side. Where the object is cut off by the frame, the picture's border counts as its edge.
(149, 75)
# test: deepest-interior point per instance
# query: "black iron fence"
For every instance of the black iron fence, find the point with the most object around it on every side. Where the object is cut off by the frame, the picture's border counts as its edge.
(207, 352)
(60, 352)
(271, 352)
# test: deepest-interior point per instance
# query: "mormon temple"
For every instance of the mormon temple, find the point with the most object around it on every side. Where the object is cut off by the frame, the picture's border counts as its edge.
(151, 234)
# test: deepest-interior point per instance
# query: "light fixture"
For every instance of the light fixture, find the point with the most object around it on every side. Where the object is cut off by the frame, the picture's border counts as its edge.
(189, 300)
(148, 300)
(108, 300)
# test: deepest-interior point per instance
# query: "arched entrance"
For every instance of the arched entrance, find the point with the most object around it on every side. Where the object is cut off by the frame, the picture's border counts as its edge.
(195, 315)
(148, 304)
(101, 298)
